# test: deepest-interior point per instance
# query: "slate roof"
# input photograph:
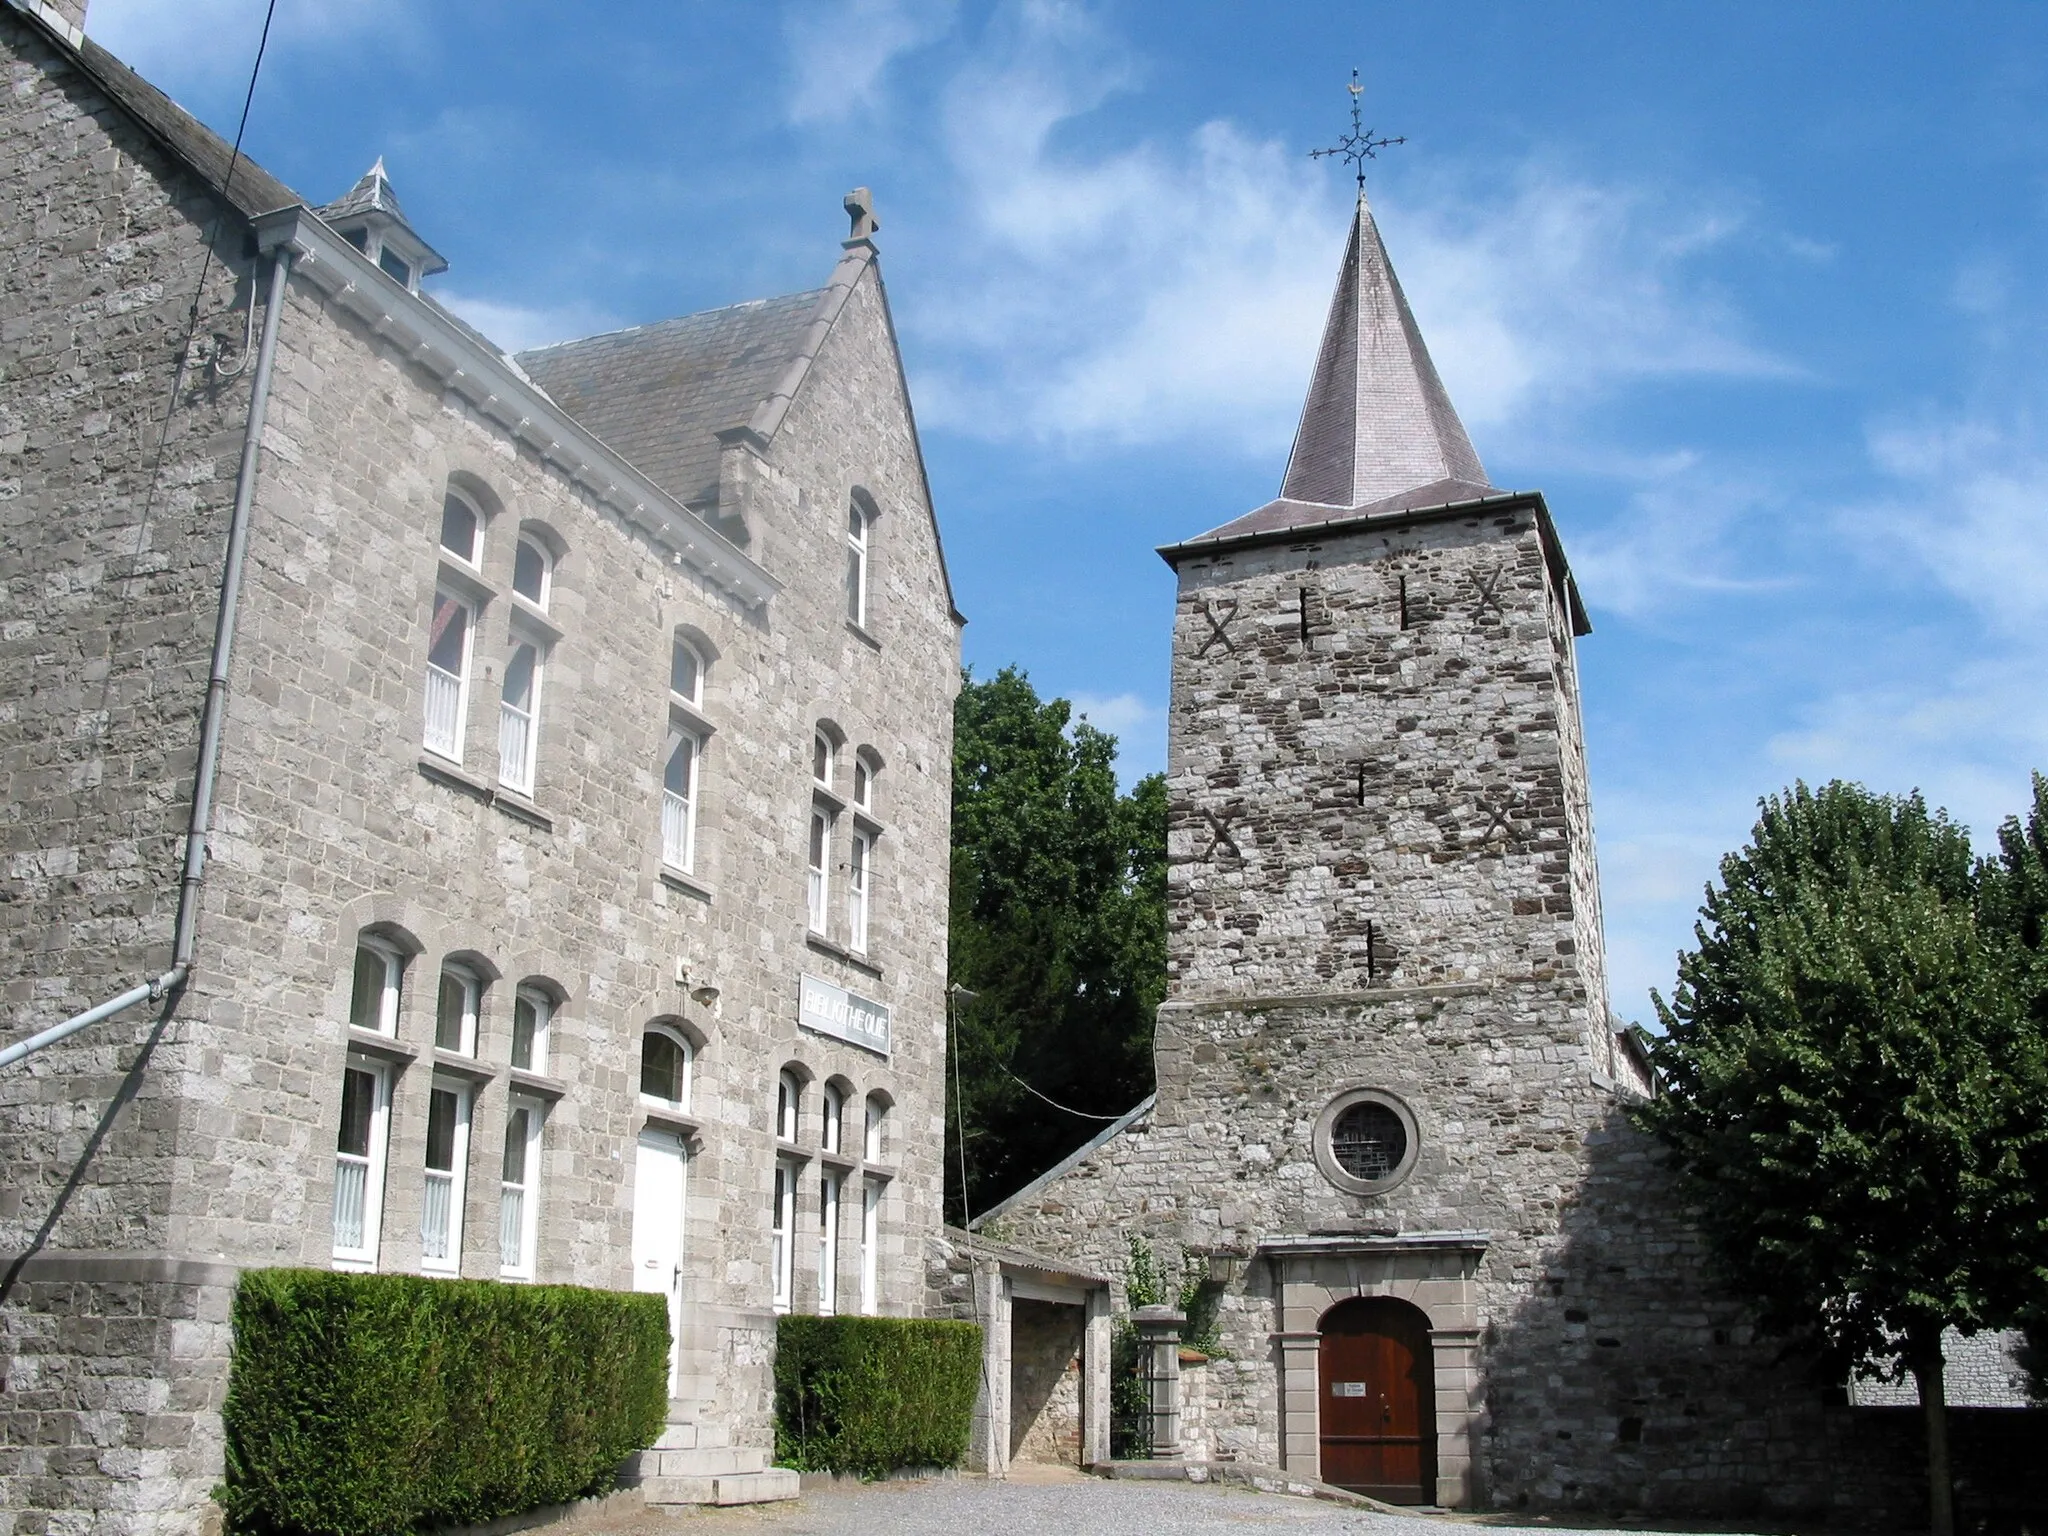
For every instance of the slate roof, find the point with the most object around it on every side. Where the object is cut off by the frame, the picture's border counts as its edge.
(254, 190)
(371, 194)
(660, 393)
(1378, 431)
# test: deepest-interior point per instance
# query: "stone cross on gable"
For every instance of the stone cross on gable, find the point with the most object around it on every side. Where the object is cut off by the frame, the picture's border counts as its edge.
(860, 207)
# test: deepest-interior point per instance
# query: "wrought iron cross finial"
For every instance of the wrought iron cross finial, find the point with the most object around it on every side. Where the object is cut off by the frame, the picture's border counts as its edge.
(1360, 144)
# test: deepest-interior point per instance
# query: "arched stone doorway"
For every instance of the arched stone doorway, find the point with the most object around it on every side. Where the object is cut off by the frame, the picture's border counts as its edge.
(1377, 1396)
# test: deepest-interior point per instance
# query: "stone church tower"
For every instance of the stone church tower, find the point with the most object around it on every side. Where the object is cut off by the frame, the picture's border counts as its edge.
(1390, 1133)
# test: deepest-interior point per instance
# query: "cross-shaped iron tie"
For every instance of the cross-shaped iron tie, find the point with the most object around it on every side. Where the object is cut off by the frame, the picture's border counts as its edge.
(1219, 829)
(1217, 627)
(1489, 593)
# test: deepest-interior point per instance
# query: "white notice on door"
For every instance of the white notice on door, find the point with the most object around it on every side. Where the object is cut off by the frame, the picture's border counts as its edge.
(1347, 1389)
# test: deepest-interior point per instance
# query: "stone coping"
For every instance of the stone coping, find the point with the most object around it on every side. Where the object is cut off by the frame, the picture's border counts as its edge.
(141, 1267)
(1379, 1242)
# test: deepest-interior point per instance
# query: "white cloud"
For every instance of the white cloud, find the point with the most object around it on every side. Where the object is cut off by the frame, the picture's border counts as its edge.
(1172, 290)
(1973, 509)
(186, 44)
(1552, 288)
(840, 49)
(520, 327)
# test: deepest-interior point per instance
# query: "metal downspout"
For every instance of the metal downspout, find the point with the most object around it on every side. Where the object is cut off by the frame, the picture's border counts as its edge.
(212, 714)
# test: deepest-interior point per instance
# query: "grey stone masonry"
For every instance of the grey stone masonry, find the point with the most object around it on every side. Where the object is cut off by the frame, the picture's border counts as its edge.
(1383, 884)
(205, 1132)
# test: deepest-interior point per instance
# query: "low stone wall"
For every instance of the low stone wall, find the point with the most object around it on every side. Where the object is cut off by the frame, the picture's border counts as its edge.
(1879, 1460)
(114, 1369)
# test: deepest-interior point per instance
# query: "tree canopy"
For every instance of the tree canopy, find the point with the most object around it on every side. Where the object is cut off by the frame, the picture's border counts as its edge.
(1058, 928)
(1854, 1080)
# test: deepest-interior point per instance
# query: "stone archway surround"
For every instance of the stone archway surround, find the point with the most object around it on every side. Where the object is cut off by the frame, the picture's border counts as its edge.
(1434, 1271)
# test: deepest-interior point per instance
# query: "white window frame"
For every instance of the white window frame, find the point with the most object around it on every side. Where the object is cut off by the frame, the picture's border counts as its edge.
(870, 1245)
(831, 1114)
(782, 1234)
(547, 571)
(472, 1008)
(789, 1106)
(679, 812)
(543, 1007)
(828, 1243)
(857, 526)
(859, 871)
(689, 1050)
(372, 1161)
(519, 1202)
(874, 1118)
(474, 556)
(819, 834)
(392, 987)
(455, 1177)
(695, 698)
(863, 783)
(516, 765)
(440, 679)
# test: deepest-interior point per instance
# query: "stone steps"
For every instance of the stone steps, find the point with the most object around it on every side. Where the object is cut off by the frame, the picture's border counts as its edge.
(764, 1487)
(690, 1463)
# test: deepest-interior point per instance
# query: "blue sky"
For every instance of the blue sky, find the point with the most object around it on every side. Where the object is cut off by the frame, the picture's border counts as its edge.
(1757, 293)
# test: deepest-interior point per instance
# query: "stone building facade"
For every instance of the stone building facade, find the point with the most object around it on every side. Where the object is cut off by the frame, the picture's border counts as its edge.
(574, 907)
(1390, 1132)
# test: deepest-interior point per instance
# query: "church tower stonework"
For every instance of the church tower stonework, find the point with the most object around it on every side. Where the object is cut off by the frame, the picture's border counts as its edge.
(1390, 1132)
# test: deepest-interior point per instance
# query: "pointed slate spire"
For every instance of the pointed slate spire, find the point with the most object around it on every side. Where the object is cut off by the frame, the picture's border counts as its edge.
(371, 194)
(1377, 422)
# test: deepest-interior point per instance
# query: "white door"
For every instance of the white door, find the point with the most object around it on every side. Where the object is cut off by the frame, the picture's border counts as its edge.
(658, 1228)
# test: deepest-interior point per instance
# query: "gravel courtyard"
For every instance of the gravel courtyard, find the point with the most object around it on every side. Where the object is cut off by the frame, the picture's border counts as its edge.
(1079, 1506)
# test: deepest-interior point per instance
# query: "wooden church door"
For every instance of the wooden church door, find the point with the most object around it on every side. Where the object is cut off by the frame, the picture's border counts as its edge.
(1378, 1401)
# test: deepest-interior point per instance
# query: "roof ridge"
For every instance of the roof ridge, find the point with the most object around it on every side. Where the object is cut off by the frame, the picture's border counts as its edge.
(648, 325)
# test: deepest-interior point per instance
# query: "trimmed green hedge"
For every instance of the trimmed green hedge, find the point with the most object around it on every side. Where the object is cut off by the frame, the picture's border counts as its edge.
(871, 1394)
(363, 1405)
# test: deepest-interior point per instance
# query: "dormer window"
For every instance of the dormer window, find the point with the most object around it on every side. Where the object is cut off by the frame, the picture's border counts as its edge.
(370, 219)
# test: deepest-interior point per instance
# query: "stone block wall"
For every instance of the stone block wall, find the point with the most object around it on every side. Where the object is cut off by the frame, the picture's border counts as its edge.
(1045, 1382)
(112, 1375)
(208, 1128)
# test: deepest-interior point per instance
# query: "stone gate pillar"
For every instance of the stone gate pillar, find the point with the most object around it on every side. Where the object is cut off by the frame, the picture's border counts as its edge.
(1159, 1331)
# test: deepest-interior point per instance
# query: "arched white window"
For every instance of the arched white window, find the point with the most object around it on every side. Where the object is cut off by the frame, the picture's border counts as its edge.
(462, 527)
(519, 1188)
(686, 673)
(449, 644)
(870, 1245)
(789, 1095)
(859, 870)
(519, 714)
(872, 1139)
(533, 571)
(824, 759)
(374, 987)
(831, 1113)
(863, 782)
(456, 1009)
(667, 1065)
(682, 755)
(532, 1012)
(447, 1175)
(359, 1151)
(856, 564)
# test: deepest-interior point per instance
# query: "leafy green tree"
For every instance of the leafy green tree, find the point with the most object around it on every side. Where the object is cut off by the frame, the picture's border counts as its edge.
(1853, 1089)
(1058, 932)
